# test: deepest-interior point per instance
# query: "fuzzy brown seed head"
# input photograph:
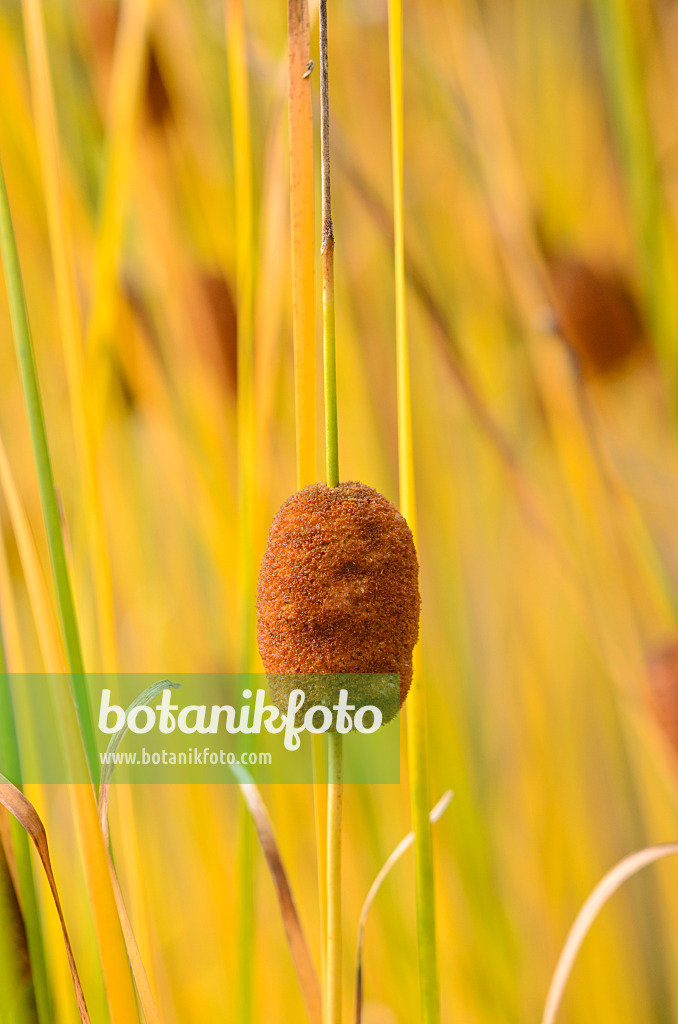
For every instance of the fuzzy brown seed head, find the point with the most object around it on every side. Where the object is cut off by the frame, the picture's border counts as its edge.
(663, 680)
(339, 587)
(598, 314)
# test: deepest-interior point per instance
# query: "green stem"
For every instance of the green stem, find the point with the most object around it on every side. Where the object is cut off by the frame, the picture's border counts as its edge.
(334, 813)
(330, 369)
(48, 495)
(333, 940)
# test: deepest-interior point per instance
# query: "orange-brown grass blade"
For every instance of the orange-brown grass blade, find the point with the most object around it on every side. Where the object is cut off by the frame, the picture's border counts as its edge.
(306, 973)
(606, 888)
(403, 846)
(22, 809)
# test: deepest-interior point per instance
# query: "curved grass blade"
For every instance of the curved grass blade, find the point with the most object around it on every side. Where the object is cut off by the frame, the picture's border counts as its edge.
(114, 743)
(402, 847)
(306, 973)
(606, 888)
(22, 809)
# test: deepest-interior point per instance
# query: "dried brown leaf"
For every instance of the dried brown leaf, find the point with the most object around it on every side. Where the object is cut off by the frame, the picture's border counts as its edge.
(306, 973)
(22, 809)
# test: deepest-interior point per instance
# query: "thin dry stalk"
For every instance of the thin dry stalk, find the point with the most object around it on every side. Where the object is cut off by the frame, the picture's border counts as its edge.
(303, 316)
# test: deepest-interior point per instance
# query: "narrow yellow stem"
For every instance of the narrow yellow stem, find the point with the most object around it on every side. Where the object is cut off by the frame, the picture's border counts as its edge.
(417, 740)
(246, 463)
(303, 315)
(320, 811)
(334, 945)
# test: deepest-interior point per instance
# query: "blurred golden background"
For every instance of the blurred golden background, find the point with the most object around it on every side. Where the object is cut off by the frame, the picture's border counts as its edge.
(541, 196)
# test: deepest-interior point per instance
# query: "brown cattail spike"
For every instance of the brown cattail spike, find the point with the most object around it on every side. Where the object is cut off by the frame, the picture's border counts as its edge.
(663, 680)
(339, 587)
(598, 314)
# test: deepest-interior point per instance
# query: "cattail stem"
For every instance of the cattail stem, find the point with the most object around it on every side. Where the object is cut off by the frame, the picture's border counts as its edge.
(417, 741)
(335, 798)
(335, 789)
(330, 370)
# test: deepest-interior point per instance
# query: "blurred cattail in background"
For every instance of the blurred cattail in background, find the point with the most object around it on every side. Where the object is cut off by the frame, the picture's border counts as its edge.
(598, 316)
(663, 680)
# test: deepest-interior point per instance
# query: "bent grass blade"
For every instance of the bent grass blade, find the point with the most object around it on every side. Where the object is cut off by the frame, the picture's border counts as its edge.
(116, 739)
(306, 973)
(606, 888)
(403, 846)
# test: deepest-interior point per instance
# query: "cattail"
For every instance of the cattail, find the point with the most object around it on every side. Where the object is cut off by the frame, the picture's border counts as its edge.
(339, 592)
(598, 314)
(663, 680)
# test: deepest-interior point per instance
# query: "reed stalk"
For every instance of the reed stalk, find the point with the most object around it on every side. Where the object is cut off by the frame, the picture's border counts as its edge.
(246, 462)
(636, 149)
(335, 797)
(70, 323)
(417, 740)
(333, 992)
(300, 113)
(81, 741)
(48, 497)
